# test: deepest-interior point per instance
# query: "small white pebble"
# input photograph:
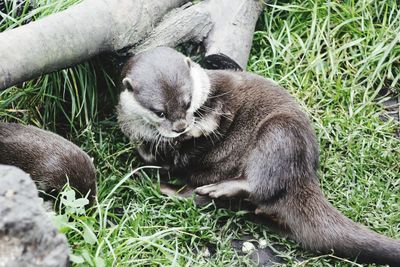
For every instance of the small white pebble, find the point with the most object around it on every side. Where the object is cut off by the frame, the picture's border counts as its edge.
(262, 243)
(248, 247)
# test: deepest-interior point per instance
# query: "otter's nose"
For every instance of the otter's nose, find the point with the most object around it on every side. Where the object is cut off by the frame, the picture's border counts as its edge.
(179, 126)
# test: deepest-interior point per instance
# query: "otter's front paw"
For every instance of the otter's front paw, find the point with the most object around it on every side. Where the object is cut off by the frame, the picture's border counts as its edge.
(229, 188)
(211, 190)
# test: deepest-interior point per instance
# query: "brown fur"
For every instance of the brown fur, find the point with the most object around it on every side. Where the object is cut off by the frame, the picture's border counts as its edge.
(50, 159)
(264, 148)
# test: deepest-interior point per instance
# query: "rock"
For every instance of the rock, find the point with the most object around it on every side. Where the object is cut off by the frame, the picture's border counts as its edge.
(27, 235)
(248, 247)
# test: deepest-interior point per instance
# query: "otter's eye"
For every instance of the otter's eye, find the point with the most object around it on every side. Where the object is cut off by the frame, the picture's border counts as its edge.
(188, 105)
(160, 114)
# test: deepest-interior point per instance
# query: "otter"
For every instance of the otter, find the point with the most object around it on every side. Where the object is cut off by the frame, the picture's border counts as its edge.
(237, 134)
(49, 159)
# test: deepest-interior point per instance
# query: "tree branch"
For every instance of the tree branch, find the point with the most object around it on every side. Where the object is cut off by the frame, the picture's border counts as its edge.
(224, 26)
(95, 26)
(234, 23)
(188, 23)
(76, 34)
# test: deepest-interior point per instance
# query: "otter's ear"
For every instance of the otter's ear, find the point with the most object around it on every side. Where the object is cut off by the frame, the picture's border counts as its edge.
(128, 84)
(188, 62)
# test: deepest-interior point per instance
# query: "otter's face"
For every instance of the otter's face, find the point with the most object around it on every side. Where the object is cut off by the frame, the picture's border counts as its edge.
(162, 103)
(165, 95)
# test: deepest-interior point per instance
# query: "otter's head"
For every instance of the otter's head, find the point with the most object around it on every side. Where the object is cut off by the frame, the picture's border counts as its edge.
(162, 89)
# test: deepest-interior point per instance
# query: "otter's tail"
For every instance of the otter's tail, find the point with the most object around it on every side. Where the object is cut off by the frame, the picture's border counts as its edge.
(320, 227)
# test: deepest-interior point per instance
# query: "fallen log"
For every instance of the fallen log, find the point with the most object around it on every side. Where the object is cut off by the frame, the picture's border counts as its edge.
(126, 26)
(77, 34)
(223, 26)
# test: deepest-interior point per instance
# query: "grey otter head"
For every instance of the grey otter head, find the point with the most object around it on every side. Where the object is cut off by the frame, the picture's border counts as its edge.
(162, 89)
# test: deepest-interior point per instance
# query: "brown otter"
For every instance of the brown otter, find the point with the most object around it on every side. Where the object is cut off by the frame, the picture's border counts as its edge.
(237, 134)
(51, 160)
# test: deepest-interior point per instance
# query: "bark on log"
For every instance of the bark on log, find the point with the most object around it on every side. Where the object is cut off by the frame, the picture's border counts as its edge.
(225, 26)
(234, 23)
(94, 26)
(188, 23)
(75, 35)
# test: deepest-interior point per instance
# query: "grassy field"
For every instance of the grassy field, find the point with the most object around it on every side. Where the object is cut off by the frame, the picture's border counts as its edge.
(335, 57)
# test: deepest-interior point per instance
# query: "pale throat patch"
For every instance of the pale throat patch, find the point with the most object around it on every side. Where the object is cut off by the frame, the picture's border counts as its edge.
(201, 87)
(200, 94)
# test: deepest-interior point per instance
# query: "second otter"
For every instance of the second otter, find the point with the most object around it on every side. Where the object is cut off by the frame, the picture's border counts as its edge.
(51, 160)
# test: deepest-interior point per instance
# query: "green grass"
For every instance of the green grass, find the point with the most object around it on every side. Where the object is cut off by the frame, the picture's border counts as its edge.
(333, 56)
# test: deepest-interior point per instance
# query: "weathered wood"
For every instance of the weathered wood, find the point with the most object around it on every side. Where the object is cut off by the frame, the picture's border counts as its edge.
(188, 23)
(75, 35)
(95, 26)
(234, 23)
(224, 26)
